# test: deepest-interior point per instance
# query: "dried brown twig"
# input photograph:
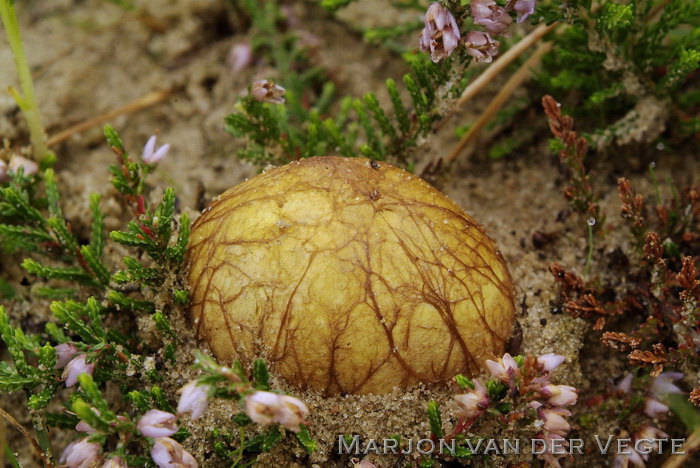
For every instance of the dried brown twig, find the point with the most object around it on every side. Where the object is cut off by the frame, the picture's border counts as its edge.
(147, 100)
(32, 441)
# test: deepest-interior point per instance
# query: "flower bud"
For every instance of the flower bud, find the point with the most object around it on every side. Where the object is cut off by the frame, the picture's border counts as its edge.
(80, 453)
(554, 421)
(550, 361)
(481, 46)
(560, 395)
(291, 413)
(474, 402)
(65, 352)
(152, 154)
(524, 8)
(115, 462)
(362, 463)
(654, 408)
(194, 399)
(625, 385)
(504, 369)
(29, 166)
(157, 423)
(663, 384)
(491, 16)
(440, 36)
(262, 406)
(82, 426)
(240, 56)
(75, 367)
(167, 453)
(268, 91)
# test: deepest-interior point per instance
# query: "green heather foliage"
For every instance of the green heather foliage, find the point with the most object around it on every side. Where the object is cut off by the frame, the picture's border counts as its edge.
(608, 58)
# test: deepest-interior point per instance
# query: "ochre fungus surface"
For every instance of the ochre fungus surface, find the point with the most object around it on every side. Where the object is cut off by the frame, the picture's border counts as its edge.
(347, 275)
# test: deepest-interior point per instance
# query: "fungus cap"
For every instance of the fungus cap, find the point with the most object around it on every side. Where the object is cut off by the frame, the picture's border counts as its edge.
(347, 275)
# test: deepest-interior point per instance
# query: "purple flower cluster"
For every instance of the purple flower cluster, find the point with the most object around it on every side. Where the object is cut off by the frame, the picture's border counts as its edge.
(261, 407)
(530, 380)
(638, 454)
(441, 36)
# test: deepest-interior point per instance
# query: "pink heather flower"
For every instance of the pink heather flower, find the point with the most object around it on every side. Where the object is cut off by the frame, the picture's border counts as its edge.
(654, 408)
(75, 367)
(152, 154)
(440, 36)
(267, 407)
(362, 464)
(524, 8)
(261, 407)
(167, 453)
(474, 402)
(82, 426)
(648, 434)
(114, 462)
(4, 176)
(554, 421)
(65, 352)
(625, 385)
(268, 91)
(157, 423)
(481, 46)
(560, 395)
(504, 369)
(29, 166)
(551, 452)
(550, 361)
(663, 384)
(80, 454)
(623, 460)
(488, 14)
(194, 399)
(291, 413)
(240, 56)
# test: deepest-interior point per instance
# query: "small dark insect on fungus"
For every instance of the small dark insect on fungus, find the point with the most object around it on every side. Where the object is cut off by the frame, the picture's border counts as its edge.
(344, 293)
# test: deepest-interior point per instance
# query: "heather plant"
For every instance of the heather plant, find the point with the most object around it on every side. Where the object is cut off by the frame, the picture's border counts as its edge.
(84, 346)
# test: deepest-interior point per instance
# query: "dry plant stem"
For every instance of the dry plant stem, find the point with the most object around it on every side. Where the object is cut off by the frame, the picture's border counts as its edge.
(689, 448)
(27, 101)
(497, 67)
(147, 100)
(499, 100)
(28, 436)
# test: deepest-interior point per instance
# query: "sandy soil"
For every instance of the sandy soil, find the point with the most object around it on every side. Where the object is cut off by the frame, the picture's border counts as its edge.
(91, 57)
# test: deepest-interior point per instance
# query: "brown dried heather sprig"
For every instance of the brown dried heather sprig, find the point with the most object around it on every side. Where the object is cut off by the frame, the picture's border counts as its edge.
(695, 396)
(653, 248)
(570, 282)
(587, 307)
(657, 358)
(687, 279)
(620, 341)
(633, 209)
(580, 194)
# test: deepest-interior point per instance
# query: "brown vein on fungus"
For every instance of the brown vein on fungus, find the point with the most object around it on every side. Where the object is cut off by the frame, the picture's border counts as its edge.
(347, 277)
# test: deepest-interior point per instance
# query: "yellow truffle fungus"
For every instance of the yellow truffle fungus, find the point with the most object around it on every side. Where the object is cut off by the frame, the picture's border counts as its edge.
(347, 275)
